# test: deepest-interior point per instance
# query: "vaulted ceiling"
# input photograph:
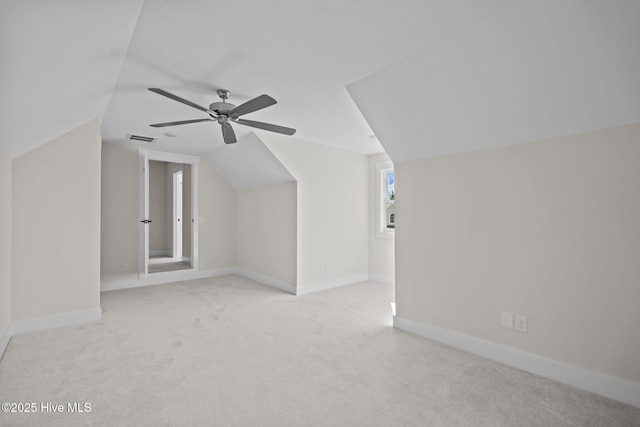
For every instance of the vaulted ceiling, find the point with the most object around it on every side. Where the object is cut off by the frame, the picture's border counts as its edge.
(430, 77)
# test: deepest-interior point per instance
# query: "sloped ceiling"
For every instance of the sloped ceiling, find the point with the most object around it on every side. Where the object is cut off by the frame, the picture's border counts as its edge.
(521, 72)
(59, 64)
(248, 164)
(432, 77)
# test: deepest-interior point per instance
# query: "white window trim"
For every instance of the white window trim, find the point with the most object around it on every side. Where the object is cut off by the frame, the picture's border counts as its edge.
(381, 223)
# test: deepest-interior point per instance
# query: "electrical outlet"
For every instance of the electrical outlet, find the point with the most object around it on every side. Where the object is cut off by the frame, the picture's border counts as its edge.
(507, 320)
(125, 267)
(521, 323)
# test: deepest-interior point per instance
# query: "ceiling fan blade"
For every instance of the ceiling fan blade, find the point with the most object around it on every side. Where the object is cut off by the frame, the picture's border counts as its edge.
(266, 126)
(179, 99)
(228, 134)
(181, 122)
(252, 105)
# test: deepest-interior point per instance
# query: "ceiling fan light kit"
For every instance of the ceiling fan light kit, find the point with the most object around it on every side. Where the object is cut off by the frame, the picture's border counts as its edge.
(226, 113)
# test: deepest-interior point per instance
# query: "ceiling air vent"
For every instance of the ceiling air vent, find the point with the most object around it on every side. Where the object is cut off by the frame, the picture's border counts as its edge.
(141, 138)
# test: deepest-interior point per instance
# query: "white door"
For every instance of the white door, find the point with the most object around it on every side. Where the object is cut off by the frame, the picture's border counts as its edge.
(177, 215)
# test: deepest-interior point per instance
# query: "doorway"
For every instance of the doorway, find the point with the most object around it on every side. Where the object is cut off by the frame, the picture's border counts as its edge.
(168, 209)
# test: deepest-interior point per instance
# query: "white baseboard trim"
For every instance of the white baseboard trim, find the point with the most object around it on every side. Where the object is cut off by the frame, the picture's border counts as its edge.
(603, 385)
(56, 321)
(389, 280)
(266, 280)
(4, 339)
(131, 281)
(162, 278)
(113, 284)
(331, 283)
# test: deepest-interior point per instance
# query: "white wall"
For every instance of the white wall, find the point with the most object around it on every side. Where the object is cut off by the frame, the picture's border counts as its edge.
(217, 208)
(266, 231)
(548, 230)
(119, 224)
(332, 204)
(5, 242)
(381, 249)
(55, 262)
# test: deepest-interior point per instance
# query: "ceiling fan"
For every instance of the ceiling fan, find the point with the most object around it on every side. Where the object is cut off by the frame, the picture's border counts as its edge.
(225, 113)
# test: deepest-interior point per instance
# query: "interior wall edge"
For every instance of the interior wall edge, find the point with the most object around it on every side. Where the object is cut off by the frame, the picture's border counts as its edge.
(335, 282)
(268, 281)
(108, 284)
(290, 288)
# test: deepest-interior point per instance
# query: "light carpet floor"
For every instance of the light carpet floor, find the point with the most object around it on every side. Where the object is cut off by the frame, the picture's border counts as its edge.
(229, 351)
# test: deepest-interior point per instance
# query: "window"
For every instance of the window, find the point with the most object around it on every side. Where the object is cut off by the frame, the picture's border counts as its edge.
(386, 215)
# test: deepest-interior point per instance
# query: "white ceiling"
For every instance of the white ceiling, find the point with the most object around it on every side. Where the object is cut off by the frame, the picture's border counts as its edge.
(431, 76)
(301, 53)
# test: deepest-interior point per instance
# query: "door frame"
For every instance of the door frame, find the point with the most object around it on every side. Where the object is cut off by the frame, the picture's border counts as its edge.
(144, 156)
